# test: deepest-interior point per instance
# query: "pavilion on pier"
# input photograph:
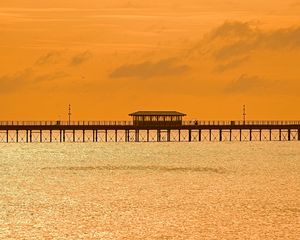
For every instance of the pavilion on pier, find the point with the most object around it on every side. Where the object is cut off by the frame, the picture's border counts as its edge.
(157, 118)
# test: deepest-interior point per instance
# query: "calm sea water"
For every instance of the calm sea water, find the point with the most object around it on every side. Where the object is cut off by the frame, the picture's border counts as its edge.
(150, 191)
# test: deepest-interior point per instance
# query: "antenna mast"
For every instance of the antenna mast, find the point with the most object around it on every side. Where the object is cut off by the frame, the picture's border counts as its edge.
(244, 114)
(69, 114)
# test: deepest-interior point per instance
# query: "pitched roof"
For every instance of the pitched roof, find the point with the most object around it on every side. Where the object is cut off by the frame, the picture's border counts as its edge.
(157, 113)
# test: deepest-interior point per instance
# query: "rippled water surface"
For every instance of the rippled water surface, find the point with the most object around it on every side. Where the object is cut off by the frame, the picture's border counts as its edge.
(150, 191)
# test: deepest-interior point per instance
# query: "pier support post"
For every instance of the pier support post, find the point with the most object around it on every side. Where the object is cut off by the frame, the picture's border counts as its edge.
(64, 135)
(17, 136)
(50, 135)
(250, 135)
(270, 134)
(260, 134)
(30, 136)
(116, 135)
(289, 134)
(74, 135)
(210, 135)
(298, 134)
(241, 135)
(190, 135)
(96, 132)
(27, 136)
(7, 136)
(199, 135)
(126, 135)
(105, 135)
(169, 135)
(179, 135)
(230, 135)
(147, 135)
(280, 132)
(158, 135)
(41, 136)
(83, 135)
(220, 135)
(60, 135)
(137, 135)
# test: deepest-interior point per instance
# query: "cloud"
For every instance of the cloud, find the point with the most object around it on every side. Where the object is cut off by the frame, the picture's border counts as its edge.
(26, 79)
(255, 85)
(236, 39)
(9, 83)
(231, 65)
(288, 38)
(80, 58)
(52, 57)
(147, 69)
(246, 83)
(233, 29)
(49, 77)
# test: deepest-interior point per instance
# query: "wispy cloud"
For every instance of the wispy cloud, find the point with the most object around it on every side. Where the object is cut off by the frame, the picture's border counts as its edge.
(260, 86)
(147, 69)
(9, 83)
(49, 77)
(81, 58)
(27, 78)
(246, 83)
(231, 64)
(234, 39)
(52, 57)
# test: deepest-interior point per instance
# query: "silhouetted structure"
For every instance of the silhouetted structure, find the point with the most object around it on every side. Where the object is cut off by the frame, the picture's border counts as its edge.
(157, 118)
(149, 126)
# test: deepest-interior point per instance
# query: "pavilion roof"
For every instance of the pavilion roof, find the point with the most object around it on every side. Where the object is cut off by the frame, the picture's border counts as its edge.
(157, 113)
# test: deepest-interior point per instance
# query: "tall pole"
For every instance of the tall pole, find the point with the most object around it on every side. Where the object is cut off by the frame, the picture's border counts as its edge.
(69, 114)
(244, 114)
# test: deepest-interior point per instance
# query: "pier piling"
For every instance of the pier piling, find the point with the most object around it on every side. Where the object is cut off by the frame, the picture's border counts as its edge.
(199, 136)
(280, 135)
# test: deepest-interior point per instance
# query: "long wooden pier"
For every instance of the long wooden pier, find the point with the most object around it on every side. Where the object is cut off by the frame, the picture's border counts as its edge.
(127, 131)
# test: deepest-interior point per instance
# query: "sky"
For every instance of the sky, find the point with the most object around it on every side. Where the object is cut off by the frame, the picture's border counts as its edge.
(108, 58)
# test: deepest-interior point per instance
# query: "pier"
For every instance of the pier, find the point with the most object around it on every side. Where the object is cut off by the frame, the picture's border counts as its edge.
(148, 126)
(128, 131)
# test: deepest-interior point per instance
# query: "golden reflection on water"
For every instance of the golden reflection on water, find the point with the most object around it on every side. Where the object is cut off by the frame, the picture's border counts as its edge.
(150, 191)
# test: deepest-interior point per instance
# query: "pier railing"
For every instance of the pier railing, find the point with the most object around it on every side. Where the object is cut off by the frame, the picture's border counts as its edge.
(66, 123)
(130, 123)
(233, 123)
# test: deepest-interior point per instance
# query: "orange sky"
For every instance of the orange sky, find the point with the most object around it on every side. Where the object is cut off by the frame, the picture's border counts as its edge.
(109, 58)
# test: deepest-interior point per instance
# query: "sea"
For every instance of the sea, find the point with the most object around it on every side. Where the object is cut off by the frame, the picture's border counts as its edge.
(217, 190)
